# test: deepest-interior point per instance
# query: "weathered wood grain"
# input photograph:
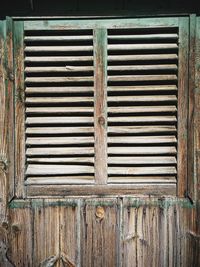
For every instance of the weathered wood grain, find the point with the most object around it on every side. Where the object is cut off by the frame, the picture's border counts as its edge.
(130, 78)
(142, 150)
(140, 129)
(141, 98)
(157, 36)
(20, 236)
(100, 105)
(182, 106)
(65, 151)
(197, 112)
(142, 140)
(46, 231)
(141, 46)
(70, 224)
(155, 189)
(99, 233)
(19, 108)
(144, 88)
(59, 130)
(144, 57)
(39, 169)
(191, 108)
(4, 153)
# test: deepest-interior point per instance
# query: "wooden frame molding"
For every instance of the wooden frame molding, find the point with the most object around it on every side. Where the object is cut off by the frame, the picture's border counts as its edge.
(102, 185)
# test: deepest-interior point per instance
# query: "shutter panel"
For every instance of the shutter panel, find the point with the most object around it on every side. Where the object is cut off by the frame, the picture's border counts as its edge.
(142, 105)
(59, 100)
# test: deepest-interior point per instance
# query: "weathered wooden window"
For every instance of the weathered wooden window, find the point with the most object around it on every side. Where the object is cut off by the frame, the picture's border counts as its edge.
(104, 109)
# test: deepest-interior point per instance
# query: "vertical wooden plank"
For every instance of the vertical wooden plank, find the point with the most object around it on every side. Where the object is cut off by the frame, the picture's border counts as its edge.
(100, 105)
(19, 108)
(10, 105)
(182, 106)
(197, 109)
(6, 136)
(129, 234)
(6, 118)
(4, 147)
(163, 238)
(20, 236)
(46, 227)
(69, 236)
(191, 150)
(172, 238)
(99, 233)
(3, 126)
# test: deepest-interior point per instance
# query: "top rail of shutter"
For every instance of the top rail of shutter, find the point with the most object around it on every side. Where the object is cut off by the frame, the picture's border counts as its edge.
(100, 23)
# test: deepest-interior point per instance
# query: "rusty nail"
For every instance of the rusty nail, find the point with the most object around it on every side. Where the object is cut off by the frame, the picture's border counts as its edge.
(100, 213)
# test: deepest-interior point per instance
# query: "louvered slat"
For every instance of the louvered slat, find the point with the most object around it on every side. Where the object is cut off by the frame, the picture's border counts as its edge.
(59, 79)
(142, 105)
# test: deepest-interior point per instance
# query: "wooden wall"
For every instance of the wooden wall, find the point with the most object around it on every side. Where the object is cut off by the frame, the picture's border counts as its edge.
(122, 231)
(103, 232)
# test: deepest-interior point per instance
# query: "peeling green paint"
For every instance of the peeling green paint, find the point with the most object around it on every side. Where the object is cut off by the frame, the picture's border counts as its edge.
(164, 203)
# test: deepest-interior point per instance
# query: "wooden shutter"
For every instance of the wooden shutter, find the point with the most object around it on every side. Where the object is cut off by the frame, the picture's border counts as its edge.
(142, 104)
(59, 106)
(105, 106)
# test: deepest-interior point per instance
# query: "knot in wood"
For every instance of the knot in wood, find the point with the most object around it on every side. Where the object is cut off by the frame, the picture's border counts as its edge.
(5, 225)
(16, 228)
(10, 76)
(101, 120)
(100, 213)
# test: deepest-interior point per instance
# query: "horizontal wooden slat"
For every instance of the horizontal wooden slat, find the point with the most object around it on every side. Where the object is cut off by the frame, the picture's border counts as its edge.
(141, 109)
(60, 180)
(59, 110)
(58, 79)
(82, 48)
(39, 169)
(58, 90)
(57, 120)
(139, 88)
(141, 170)
(142, 140)
(142, 179)
(59, 130)
(147, 36)
(138, 188)
(142, 160)
(58, 38)
(47, 151)
(142, 57)
(144, 119)
(142, 67)
(122, 47)
(110, 23)
(141, 78)
(59, 140)
(79, 58)
(140, 129)
(142, 98)
(29, 59)
(144, 150)
(83, 160)
(59, 69)
(30, 100)
(90, 68)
